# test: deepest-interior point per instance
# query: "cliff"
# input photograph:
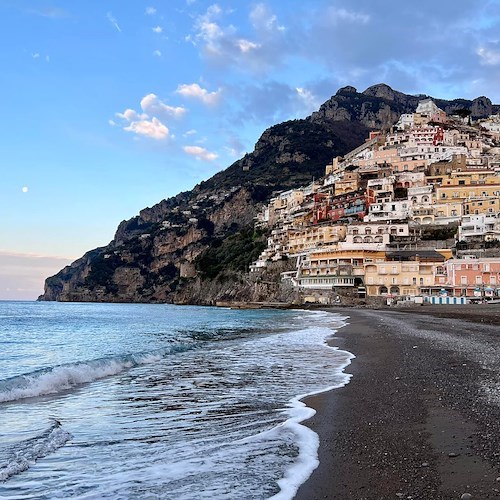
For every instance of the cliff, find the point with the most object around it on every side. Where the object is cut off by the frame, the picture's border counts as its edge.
(196, 247)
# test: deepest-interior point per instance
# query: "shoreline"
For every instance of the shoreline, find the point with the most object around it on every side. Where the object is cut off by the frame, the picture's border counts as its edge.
(420, 417)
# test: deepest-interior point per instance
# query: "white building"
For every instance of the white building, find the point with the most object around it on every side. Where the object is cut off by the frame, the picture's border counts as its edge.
(387, 211)
(479, 227)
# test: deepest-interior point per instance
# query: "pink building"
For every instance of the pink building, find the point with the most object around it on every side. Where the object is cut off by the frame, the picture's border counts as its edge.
(469, 277)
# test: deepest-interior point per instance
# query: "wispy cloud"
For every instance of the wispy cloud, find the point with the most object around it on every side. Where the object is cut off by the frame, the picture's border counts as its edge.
(224, 45)
(22, 275)
(150, 11)
(194, 91)
(490, 55)
(157, 53)
(152, 104)
(50, 12)
(113, 21)
(157, 29)
(200, 153)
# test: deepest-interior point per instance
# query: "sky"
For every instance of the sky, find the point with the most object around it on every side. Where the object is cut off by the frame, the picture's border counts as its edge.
(111, 106)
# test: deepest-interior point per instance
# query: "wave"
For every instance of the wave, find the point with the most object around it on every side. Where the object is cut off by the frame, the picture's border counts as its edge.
(63, 377)
(26, 453)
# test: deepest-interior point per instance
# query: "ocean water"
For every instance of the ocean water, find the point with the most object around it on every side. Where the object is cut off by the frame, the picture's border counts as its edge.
(159, 401)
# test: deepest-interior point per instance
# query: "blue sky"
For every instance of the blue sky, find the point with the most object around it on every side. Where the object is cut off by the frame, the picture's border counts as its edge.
(111, 106)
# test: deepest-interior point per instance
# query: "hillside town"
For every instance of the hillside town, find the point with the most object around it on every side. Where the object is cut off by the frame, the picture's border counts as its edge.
(412, 215)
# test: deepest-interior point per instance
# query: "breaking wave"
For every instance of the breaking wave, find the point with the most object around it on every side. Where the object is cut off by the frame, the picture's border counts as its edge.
(63, 377)
(26, 453)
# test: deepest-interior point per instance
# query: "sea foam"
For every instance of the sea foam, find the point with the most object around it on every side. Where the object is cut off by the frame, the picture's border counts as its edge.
(63, 377)
(27, 452)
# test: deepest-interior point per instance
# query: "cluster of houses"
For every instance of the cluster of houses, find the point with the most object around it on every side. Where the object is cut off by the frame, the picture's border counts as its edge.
(361, 226)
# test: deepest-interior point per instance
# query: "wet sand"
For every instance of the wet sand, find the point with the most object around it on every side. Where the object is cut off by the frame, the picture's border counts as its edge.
(420, 418)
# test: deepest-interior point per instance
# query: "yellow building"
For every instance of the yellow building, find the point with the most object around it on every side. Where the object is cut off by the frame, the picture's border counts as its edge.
(404, 273)
(301, 239)
(348, 183)
(483, 205)
(463, 189)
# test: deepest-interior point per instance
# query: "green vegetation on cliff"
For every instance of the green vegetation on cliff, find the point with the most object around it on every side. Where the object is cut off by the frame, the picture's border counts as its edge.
(234, 253)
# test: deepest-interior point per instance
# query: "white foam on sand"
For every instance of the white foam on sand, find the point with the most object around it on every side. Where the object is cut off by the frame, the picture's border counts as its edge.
(306, 439)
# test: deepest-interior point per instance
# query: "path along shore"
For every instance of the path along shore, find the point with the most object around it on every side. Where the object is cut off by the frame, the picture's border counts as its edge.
(420, 418)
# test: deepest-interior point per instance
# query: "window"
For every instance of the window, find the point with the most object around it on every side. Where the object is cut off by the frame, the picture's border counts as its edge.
(479, 280)
(463, 280)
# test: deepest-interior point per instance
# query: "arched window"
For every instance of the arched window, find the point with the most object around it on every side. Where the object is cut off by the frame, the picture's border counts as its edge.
(378, 239)
(394, 290)
(383, 290)
(368, 239)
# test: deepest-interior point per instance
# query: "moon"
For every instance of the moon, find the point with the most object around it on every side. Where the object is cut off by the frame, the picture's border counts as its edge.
(24, 189)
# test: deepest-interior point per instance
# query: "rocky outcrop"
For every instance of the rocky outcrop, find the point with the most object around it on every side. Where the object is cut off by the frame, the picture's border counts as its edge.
(196, 247)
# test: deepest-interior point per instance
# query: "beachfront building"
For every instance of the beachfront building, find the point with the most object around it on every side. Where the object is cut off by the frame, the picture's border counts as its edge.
(470, 277)
(403, 273)
(332, 267)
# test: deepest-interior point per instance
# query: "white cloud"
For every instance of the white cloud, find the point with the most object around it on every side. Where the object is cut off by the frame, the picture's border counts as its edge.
(150, 11)
(190, 132)
(200, 153)
(113, 21)
(247, 45)
(36, 55)
(350, 16)
(310, 101)
(157, 53)
(194, 91)
(157, 29)
(149, 123)
(130, 115)
(152, 105)
(263, 19)
(488, 56)
(153, 128)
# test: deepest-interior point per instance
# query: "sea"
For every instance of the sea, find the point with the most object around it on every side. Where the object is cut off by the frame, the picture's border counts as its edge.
(155, 401)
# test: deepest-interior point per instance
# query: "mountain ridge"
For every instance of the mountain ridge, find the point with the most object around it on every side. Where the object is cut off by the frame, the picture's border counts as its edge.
(170, 252)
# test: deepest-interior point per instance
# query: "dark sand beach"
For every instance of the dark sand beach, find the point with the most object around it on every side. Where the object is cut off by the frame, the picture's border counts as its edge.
(420, 418)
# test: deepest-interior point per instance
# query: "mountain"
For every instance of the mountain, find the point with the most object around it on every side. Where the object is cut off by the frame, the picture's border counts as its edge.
(196, 247)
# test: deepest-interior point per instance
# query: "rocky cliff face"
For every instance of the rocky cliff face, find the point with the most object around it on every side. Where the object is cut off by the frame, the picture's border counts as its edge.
(196, 247)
